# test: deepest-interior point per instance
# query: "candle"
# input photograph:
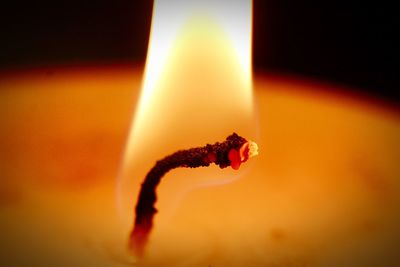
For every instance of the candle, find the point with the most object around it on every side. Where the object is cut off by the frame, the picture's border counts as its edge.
(323, 191)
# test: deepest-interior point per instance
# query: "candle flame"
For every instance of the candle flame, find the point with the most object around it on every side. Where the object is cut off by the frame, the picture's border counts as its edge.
(198, 73)
(197, 88)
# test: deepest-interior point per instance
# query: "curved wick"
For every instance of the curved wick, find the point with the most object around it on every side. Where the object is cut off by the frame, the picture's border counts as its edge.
(232, 152)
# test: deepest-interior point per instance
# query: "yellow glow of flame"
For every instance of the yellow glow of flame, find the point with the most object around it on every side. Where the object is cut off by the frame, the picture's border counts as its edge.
(197, 89)
(198, 72)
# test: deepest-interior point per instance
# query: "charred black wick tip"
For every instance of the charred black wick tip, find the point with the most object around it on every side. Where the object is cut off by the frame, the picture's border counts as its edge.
(190, 158)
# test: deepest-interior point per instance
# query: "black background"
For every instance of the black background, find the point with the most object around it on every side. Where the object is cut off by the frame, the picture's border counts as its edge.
(345, 42)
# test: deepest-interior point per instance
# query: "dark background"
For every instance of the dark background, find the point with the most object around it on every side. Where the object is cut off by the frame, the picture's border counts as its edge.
(345, 42)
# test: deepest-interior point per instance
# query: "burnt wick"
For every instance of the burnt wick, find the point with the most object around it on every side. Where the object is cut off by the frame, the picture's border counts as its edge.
(232, 152)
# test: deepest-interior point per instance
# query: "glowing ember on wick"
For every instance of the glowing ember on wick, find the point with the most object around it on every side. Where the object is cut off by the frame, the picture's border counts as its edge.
(232, 152)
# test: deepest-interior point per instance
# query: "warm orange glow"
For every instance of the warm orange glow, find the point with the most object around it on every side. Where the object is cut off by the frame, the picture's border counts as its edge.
(323, 192)
(197, 89)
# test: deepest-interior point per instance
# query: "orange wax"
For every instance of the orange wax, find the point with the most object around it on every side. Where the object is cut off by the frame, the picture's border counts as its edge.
(323, 191)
